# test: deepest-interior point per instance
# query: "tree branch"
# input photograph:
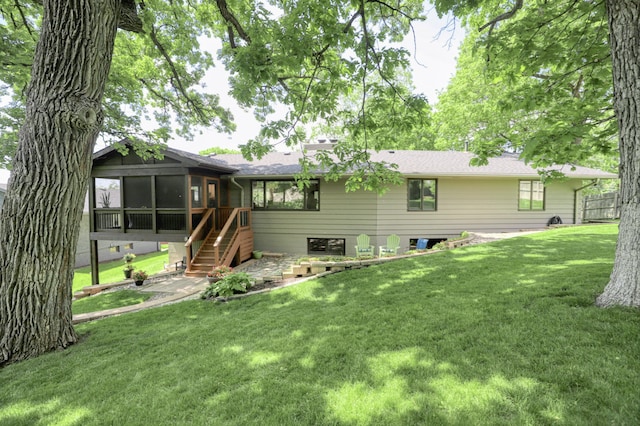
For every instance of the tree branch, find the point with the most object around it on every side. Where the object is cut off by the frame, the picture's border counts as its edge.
(151, 89)
(232, 21)
(502, 17)
(393, 9)
(24, 19)
(176, 80)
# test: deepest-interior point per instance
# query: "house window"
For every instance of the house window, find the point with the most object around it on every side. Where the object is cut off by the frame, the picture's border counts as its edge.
(196, 192)
(430, 242)
(531, 195)
(212, 193)
(422, 194)
(285, 195)
(326, 246)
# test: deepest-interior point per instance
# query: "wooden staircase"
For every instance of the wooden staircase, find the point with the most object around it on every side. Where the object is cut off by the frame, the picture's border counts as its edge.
(234, 242)
(205, 259)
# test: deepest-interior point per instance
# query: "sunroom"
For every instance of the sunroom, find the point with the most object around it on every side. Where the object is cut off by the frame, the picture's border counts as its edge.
(181, 198)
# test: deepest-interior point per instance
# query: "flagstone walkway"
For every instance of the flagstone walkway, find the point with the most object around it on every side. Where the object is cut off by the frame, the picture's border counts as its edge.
(177, 288)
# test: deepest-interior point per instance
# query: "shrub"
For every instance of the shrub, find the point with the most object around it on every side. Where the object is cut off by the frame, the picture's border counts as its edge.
(238, 282)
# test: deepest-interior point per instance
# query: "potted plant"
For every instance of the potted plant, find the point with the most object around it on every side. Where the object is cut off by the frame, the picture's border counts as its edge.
(218, 272)
(139, 276)
(257, 254)
(128, 258)
(128, 270)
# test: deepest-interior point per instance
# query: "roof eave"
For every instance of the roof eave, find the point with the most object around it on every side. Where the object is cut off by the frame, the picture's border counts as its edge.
(224, 169)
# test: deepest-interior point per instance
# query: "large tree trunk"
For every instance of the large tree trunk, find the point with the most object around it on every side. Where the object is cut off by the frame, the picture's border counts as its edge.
(42, 210)
(624, 25)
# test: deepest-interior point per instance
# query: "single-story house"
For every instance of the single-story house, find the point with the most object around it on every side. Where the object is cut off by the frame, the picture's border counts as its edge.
(218, 209)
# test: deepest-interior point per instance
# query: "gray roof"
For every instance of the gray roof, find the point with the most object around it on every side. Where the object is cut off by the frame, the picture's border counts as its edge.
(203, 161)
(410, 163)
(190, 159)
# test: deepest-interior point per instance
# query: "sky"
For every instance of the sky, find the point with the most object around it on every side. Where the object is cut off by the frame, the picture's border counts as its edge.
(434, 54)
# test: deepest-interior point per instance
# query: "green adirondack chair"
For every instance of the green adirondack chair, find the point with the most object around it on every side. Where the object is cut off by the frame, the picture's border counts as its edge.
(363, 248)
(393, 244)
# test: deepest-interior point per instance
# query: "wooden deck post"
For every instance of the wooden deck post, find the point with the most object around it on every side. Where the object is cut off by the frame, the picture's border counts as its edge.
(95, 277)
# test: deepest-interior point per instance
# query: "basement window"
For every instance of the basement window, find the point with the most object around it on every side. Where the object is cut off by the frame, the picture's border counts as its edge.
(413, 242)
(326, 246)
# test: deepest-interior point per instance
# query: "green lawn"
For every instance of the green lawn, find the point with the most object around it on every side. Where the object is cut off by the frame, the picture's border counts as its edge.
(111, 272)
(110, 300)
(504, 333)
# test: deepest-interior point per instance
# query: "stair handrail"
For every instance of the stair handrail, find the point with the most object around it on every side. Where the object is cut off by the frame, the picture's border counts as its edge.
(222, 234)
(195, 235)
(233, 245)
(232, 218)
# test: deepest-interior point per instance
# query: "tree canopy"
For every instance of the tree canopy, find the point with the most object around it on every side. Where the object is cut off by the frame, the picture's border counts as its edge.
(538, 83)
(306, 55)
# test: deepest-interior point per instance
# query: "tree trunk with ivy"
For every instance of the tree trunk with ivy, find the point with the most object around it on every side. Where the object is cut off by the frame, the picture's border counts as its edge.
(624, 24)
(51, 170)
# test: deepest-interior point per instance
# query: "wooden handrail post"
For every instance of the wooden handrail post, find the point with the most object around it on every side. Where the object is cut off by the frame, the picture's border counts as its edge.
(188, 265)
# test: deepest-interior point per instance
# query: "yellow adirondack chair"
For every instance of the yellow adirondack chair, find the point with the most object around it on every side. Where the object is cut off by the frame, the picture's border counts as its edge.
(393, 244)
(363, 248)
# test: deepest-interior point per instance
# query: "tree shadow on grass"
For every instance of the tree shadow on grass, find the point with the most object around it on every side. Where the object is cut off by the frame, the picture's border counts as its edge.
(479, 335)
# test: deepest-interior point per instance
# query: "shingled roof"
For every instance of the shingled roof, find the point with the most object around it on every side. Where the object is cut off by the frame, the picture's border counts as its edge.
(187, 158)
(410, 163)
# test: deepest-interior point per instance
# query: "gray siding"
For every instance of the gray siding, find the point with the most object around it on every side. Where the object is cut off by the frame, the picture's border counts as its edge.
(464, 204)
(473, 204)
(341, 215)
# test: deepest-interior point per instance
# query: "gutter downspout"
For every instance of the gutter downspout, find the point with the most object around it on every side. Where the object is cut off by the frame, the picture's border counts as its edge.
(575, 199)
(233, 181)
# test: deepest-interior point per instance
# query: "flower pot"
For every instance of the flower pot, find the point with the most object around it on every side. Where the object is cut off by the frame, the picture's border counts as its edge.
(139, 283)
(127, 273)
(257, 255)
(213, 279)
